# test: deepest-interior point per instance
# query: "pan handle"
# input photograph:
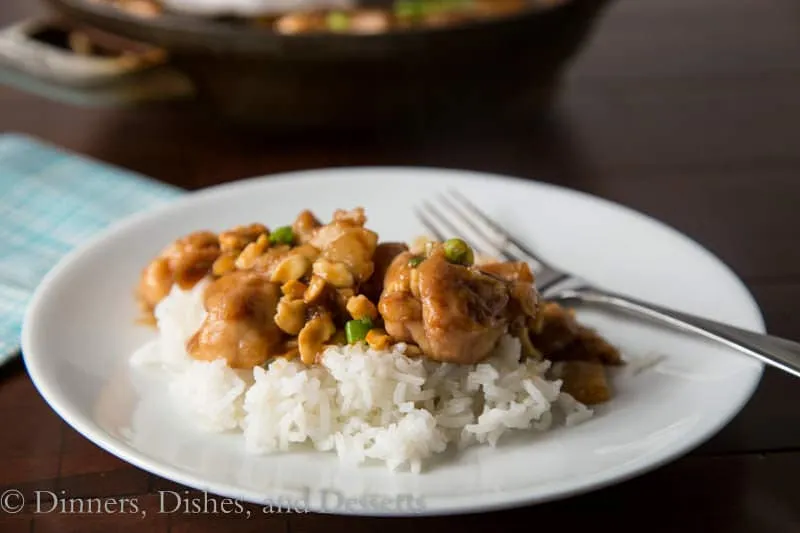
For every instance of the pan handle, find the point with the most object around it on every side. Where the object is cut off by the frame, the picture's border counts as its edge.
(35, 56)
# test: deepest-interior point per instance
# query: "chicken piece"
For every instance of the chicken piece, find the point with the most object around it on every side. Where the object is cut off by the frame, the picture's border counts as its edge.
(382, 260)
(369, 21)
(585, 381)
(453, 313)
(239, 326)
(185, 262)
(300, 22)
(305, 226)
(512, 271)
(558, 329)
(562, 338)
(141, 8)
(400, 309)
(236, 239)
(520, 280)
(346, 241)
(589, 346)
(226, 262)
(444, 19)
(354, 217)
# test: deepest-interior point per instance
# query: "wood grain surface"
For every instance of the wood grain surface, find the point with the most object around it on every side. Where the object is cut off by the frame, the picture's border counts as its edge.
(687, 110)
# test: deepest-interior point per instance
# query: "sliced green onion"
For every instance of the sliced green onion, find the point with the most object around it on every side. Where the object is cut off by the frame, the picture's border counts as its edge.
(425, 8)
(408, 9)
(337, 21)
(282, 235)
(457, 251)
(415, 261)
(356, 330)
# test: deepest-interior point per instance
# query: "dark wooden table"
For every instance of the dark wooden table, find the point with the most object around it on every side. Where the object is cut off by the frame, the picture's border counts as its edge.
(688, 110)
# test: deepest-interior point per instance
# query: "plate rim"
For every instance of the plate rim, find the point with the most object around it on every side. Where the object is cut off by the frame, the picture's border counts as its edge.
(140, 460)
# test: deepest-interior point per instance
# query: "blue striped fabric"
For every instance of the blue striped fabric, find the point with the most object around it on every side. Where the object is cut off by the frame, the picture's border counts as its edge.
(51, 201)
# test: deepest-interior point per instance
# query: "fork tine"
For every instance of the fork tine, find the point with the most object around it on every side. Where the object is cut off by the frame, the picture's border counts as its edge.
(506, 236)
(439, 224)
(451, 226)
(429, 225)
(469, 222)
(442, 221)
(547, 275)
(468, 205)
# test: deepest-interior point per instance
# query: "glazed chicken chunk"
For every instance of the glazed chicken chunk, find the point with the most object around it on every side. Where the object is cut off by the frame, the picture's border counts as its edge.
(239, 326)
(559, 337)
(184, 262)
(382, 259)
(580, 355)
(346, 249)
(454, 312)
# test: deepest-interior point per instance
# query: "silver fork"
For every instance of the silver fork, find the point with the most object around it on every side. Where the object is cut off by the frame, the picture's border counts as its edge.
(468, 222)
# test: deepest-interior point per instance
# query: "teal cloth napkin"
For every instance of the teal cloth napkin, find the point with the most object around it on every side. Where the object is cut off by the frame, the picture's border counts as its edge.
(50, 202)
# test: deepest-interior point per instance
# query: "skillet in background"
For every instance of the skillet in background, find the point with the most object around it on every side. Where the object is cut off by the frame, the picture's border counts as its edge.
(408, 78)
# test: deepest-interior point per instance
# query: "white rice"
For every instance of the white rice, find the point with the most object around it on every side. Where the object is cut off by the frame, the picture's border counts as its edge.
(213, 393)
(365, 405)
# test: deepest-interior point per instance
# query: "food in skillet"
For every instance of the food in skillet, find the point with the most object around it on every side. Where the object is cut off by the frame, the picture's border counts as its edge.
(321, 333)
(339, 16)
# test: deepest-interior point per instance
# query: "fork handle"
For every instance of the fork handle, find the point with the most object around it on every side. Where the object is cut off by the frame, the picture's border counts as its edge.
(775, 351)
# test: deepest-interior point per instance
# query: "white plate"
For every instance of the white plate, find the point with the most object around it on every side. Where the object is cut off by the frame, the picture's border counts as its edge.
(79, 334)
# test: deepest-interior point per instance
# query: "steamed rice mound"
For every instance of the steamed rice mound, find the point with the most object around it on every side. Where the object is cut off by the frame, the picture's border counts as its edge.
(362, 404)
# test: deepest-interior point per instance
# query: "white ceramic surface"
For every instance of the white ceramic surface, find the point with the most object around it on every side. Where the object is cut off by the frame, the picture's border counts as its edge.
(79, 333)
